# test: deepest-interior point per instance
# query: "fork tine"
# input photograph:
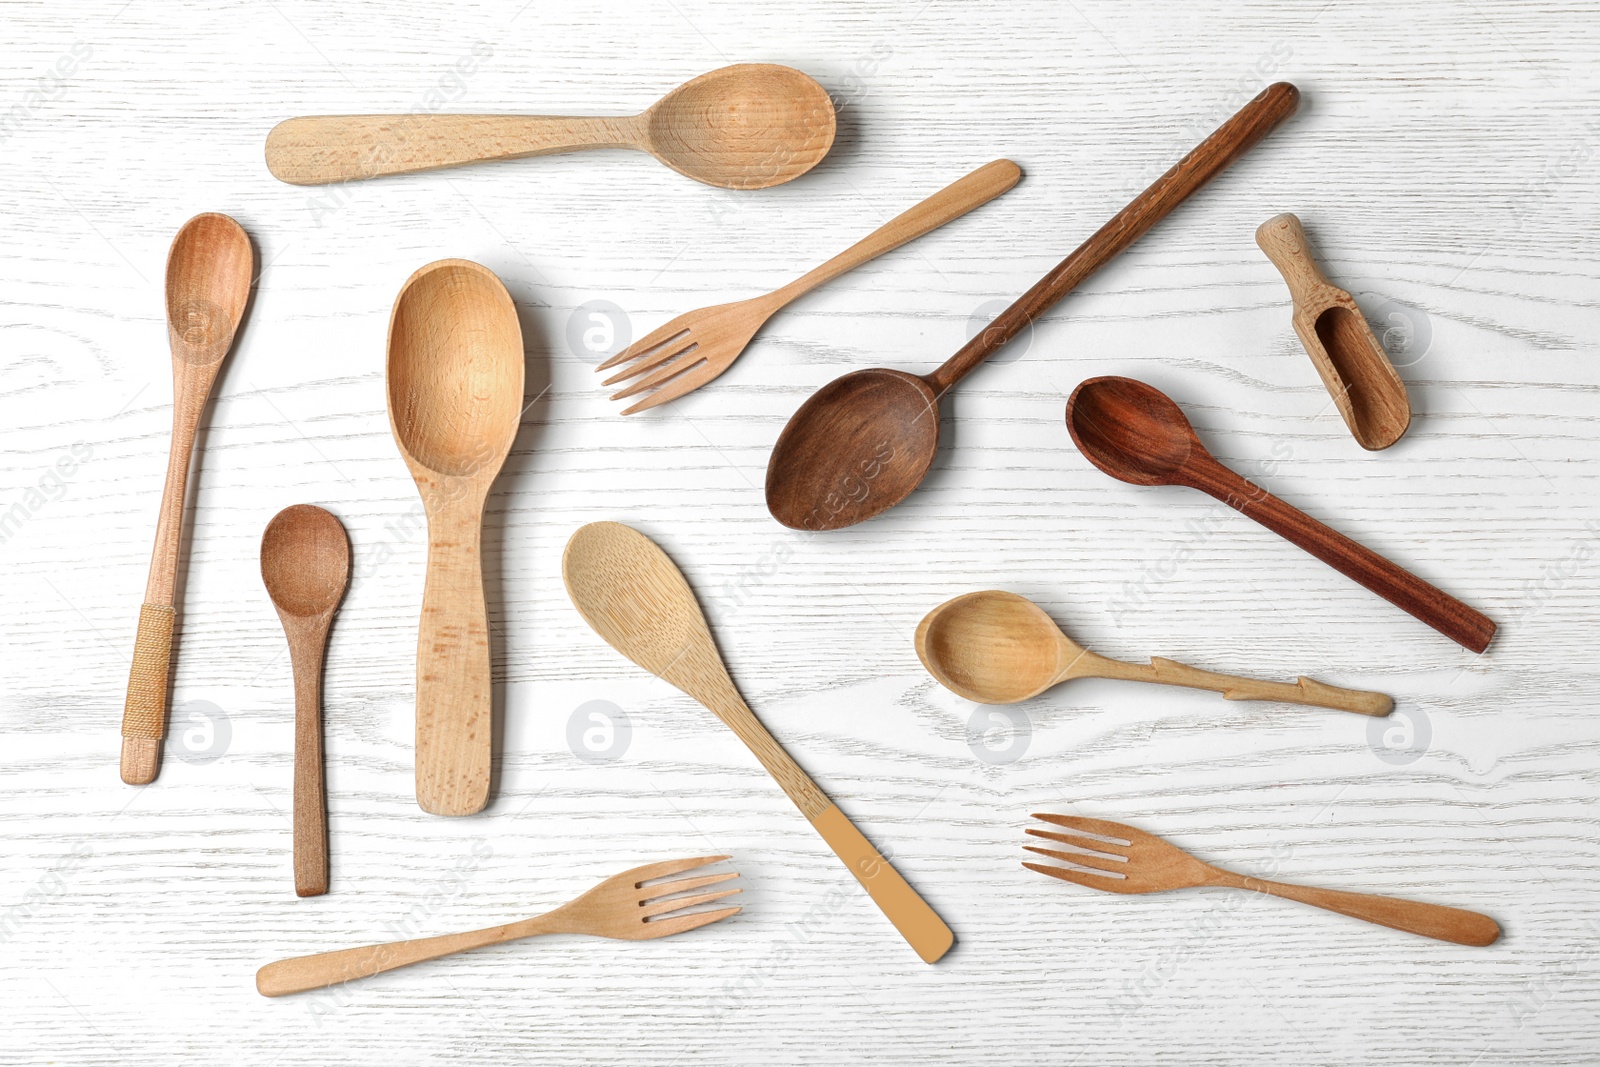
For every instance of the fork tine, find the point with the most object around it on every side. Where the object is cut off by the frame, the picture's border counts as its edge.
(659, 335)
(1097, 860)
(702, 374)
(1088, 844)
(650, 871)
(682, 885)
(1084, 878)
(1114, 830)
(666, 373)
(662, 907)
(676, 345)
(681, 923)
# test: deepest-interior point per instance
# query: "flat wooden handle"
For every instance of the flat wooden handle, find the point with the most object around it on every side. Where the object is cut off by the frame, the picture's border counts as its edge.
(1430, 920)
(331, 968)
(454, 694)
(144, 712)
(1211, 157)
(1284, 241)
(310, 791)
(1440, 610)
(923, 930)
(948, 204)
(316, 150)
(1307, 691)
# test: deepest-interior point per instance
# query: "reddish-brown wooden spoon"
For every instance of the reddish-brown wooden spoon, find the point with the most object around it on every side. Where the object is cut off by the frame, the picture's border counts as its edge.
(1135, 433)
(863, 442)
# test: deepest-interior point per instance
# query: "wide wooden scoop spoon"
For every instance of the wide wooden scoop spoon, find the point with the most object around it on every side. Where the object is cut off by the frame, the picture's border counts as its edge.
(863, 442)
(1135, 433)
(209, 268)
(455, 377)
(305, 565)
(748, 126)
(998, 648)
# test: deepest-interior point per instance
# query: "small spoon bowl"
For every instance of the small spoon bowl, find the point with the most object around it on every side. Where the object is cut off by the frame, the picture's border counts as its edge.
(857, 447)
(1131, 431)
(209, 269)
(455, 368)
(993, 647)
(305, 561)
(748, 126)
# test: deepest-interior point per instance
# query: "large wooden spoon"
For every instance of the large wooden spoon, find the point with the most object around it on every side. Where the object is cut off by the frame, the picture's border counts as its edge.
(863, 442)
(1135, 433)
(305, 565)
(748, 126)
(996, 647)
(455, 376)
(209, 268)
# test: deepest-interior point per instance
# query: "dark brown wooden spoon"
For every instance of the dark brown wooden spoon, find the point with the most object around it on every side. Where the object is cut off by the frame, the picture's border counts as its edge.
(305, 565)
(863, 442)
(1135, 433)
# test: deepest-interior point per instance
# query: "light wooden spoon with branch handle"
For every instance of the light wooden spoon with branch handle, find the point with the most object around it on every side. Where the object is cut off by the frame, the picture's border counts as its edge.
(633, 596)
(209, 269)
(622, 907)
(1120, 859)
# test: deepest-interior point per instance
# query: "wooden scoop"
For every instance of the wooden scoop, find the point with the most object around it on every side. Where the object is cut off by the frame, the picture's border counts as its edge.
(1000, 648)
(1135, 433)
(455, 377)
(1355, 368)
(748, 126)
(305, 565)
(863, 442)
(632, 595)
(209, 269)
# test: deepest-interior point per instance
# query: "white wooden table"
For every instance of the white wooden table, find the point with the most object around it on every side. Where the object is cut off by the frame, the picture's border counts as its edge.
(1445, 164)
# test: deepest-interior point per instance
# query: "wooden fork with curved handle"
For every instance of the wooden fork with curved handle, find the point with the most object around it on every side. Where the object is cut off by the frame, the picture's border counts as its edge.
(695, 348)
(621, 907)
(1132, 861)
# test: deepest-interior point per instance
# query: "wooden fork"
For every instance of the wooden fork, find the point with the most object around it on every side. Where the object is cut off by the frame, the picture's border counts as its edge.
(1120, 859)
(694, 349)
(621, 907)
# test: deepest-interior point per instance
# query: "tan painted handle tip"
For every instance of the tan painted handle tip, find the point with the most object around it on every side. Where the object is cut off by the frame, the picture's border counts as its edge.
(141, 760)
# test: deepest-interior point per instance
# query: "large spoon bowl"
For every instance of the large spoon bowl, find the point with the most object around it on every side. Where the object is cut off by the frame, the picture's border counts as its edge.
(748, 126)
(993, 647)
(209, 270)
(857, 447)
(1132, 431)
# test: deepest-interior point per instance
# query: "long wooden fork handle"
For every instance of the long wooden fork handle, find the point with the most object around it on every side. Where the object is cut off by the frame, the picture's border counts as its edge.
(331, 968)
(922, 928)
(1430, 920)
(1208, 159)
(947, 205)
(317, 150)
(1462, 624)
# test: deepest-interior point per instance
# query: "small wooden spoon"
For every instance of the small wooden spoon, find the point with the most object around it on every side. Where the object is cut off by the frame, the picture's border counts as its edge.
(863, 442)
(305, 565)
(748, 126)
(1365, 386)
(455, 378)
(1000, 648)
(209, 269)
(1135, 433)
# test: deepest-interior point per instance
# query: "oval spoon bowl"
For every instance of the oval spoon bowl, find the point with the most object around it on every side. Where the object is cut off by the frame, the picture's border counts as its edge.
(991, 647)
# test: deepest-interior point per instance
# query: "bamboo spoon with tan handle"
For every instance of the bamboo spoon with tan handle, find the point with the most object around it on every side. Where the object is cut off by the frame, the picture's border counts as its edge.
(748, 126)
(694, 349)
(996, 647)
(633, 596)
(455, 378)
(1364, 385)
(305, 565)
(209, 269)
(1120, 859)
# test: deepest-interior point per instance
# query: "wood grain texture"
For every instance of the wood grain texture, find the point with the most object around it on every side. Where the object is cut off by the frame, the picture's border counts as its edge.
(1462, 213)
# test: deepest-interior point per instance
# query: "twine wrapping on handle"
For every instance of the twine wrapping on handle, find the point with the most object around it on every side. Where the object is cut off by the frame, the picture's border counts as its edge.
(145, 713)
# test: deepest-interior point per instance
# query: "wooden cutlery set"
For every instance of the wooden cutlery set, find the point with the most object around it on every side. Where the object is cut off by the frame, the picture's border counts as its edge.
(860, 445)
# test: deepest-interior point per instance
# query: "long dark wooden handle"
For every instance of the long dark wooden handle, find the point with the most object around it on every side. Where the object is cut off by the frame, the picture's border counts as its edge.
(1430, 920)
(1211, 157)
(1395, 584)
